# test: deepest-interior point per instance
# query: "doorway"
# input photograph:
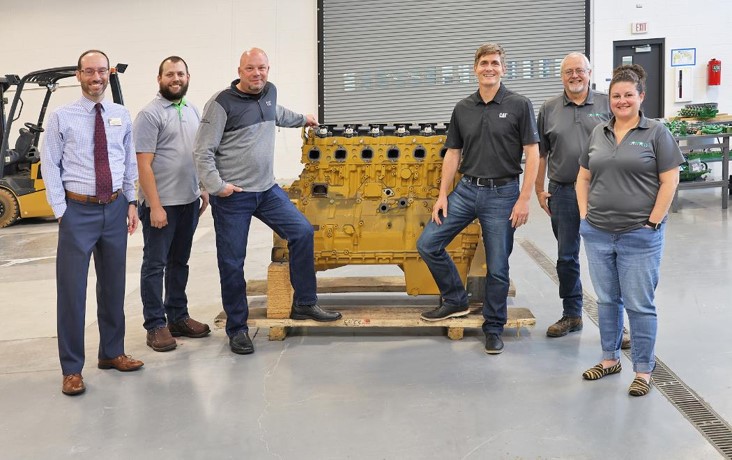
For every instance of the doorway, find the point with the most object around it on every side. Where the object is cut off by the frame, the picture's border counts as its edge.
(649, 54)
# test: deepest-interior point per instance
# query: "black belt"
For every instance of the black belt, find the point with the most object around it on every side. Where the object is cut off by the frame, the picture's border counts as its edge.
(484, 182)
(565, 184)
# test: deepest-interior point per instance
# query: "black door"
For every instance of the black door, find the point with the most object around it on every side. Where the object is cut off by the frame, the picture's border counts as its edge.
(649, 54)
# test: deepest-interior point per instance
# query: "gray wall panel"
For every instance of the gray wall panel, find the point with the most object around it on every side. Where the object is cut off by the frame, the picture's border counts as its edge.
(411, 61)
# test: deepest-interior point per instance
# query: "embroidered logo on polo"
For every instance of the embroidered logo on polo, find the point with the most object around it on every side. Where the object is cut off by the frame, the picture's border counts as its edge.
(595, 115)
(645, 145)
(502, 115)
(268, 103)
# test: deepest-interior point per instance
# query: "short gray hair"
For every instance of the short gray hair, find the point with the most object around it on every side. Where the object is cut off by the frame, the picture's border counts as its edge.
(572, 55)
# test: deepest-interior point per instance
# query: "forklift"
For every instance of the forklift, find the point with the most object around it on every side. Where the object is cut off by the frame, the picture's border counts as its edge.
(22, 191)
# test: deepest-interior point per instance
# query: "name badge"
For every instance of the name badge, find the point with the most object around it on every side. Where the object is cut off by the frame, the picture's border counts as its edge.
(115, 122)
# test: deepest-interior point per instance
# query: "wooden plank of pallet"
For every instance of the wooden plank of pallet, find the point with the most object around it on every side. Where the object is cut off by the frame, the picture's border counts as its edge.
(388, 316)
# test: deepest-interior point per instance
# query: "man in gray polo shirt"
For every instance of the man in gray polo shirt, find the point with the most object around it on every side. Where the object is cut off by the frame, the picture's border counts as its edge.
(489, 132)
(565, 123)
(170, 204)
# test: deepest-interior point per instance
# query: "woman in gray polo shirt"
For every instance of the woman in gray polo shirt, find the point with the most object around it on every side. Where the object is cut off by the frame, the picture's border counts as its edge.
(625, 186)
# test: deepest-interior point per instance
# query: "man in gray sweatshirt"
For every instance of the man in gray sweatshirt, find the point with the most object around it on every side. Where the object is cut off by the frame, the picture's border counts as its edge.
(234, 153)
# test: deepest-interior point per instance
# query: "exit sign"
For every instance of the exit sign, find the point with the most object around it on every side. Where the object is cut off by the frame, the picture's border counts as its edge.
(639, 27)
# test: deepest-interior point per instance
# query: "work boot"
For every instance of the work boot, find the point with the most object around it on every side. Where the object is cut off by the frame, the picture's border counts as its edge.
(160, 339)
(564, 326)
(625, 343)
(189, 327)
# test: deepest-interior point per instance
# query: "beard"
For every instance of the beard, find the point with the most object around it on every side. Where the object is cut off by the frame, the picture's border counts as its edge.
(577, 88)
(171, 95)
(86, 87)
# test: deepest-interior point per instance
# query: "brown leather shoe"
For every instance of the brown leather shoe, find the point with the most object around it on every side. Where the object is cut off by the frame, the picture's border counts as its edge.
(189, 327)
(123, 363)
(73, 385)
(159, 339)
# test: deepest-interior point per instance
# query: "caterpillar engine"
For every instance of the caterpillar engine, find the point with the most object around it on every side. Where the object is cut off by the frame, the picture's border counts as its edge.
(369, 192)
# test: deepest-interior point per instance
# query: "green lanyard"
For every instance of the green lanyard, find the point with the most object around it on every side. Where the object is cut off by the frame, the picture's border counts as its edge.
(179, 107)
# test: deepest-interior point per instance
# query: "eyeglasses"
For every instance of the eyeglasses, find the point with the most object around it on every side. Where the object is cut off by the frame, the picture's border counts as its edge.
(90, 72)
(579, 72)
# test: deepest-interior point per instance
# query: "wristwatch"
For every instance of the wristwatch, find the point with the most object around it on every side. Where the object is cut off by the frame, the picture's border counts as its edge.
(653, 225)
(133, 203)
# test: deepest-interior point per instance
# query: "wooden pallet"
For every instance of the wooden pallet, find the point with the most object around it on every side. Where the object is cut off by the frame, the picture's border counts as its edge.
(400, 312)
(393, 315)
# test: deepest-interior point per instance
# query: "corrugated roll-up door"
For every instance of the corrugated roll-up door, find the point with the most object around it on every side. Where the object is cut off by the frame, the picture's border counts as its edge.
(410, 61)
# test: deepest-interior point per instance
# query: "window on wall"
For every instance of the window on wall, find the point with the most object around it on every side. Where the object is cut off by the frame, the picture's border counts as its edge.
(410, 61)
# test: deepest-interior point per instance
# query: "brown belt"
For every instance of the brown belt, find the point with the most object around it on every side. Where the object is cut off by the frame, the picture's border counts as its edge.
(90, 198)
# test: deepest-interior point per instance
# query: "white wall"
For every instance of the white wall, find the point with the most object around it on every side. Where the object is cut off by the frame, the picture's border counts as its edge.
(701, 24)
(210, 35)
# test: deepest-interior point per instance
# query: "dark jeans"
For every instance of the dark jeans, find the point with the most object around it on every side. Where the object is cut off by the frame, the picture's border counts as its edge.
(165, 258)
(101, 230)
(565, 224)
(491, 206)
(232, 218)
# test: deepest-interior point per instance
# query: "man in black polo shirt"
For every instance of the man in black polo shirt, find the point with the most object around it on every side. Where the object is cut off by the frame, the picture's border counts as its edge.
(488, 133)
(565, 123)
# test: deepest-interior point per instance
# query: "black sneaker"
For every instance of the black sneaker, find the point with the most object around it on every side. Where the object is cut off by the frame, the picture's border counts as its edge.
(444, 312)
(241, 344)
(493, 344)
(313, 312)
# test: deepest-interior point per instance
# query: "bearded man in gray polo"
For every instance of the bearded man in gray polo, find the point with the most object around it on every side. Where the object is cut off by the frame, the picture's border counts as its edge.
(170, 205)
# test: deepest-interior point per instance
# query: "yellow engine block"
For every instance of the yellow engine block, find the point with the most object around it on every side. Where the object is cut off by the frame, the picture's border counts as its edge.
(369, 193)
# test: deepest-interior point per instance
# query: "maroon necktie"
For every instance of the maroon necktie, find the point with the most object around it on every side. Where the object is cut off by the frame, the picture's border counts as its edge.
(101, 158)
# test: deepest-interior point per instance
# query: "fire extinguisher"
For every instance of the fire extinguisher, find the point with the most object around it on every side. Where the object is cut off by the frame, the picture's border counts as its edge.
(714, 72)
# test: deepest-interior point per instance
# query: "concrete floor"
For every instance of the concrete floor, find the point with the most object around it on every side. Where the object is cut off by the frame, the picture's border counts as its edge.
(366, 394)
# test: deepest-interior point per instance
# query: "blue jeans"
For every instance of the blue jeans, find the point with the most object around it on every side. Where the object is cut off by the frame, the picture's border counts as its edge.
(232, 217)
(624, 270)
(165, 260)
(492, 206)
(565, 224)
